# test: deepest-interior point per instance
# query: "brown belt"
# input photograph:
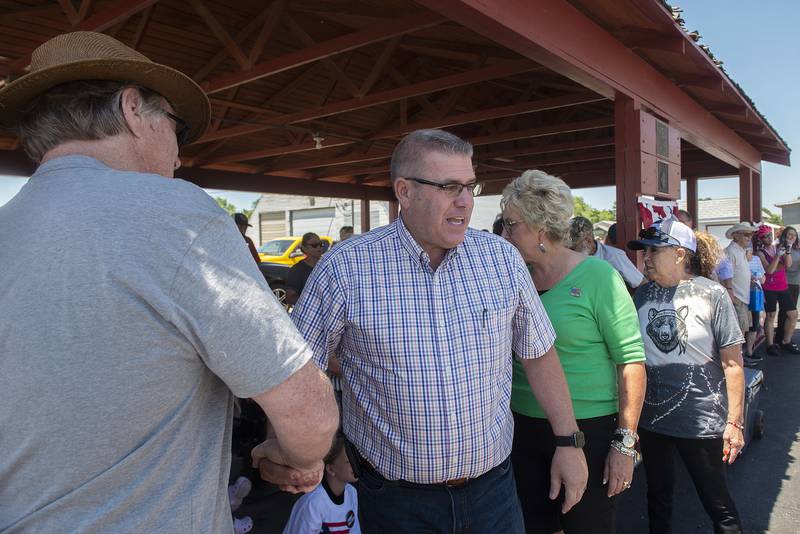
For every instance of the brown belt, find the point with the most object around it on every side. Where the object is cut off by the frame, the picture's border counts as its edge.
(456, 482)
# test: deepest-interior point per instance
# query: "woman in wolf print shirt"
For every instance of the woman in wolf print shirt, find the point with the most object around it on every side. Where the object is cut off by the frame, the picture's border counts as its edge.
(695, 382)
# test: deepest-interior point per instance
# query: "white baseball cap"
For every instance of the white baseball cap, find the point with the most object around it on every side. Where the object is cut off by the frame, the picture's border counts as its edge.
(669, 232)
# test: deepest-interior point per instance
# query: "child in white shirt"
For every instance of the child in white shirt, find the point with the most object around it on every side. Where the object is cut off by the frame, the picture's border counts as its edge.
(333, 506)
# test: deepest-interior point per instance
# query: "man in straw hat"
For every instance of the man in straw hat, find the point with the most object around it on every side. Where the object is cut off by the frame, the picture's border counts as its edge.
(740, 235)
(119, 358)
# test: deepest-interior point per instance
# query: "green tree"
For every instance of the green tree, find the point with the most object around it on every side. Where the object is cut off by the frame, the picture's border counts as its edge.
(227, 206)
(581, 208)
(772, 218)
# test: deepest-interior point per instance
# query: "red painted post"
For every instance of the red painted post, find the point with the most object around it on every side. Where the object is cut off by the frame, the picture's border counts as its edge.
(746, 194)
(365, 216)
(756, 176)
(691, 200)
(628, 166)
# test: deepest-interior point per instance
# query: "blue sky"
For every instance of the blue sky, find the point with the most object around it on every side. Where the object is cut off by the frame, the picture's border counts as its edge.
(759, 43)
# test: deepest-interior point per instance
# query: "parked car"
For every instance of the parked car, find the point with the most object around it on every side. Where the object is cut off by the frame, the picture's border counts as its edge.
(275, 275)
(286, 250)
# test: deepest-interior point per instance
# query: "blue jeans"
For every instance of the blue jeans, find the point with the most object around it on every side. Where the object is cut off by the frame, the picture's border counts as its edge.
(488, 503)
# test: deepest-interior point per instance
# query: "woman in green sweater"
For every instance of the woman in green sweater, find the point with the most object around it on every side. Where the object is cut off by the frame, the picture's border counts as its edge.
(600, 348)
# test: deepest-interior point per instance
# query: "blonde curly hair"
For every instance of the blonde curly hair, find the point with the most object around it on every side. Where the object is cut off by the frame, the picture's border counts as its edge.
(543, 200)
(704, 261)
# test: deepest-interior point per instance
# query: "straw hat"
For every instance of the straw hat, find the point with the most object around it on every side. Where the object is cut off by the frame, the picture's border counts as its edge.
(745, 227)
(95, 56)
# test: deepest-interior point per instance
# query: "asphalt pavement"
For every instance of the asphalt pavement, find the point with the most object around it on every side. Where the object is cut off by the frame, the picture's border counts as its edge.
(765, 481)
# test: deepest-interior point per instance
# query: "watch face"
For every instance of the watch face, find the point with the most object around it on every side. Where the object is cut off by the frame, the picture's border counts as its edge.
(628, 441)
(580, 441)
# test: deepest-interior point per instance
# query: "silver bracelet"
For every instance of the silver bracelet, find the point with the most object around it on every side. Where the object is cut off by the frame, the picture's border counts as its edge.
(622, 449)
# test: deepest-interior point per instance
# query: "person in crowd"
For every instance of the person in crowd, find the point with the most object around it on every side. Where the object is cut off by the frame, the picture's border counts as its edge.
(686, 218)
(776, 290)
(497, 226)
(424, 328)
(243, 224)
(758, 277)
(581, 236)
(695, 381)
(333, 506)
(345, 233)
(600, 348)
(788, 239)
(611, 236)
(132, 383)
(311, 246)
(741, 235)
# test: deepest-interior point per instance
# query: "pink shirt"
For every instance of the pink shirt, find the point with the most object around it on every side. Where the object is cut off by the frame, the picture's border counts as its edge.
(777, 280)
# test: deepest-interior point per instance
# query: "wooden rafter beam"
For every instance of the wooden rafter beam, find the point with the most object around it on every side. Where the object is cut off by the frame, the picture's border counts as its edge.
(540, 149)
(221, 179)
(377, 68)
(647, 39)
(240, 37)
(69, 11)
(725, 107)
(542, 131)
(308, 146)
(493, 113)
(141, 27)
(704, 82)
(220, 33)
(274, 14)
(331, 65)
(504, 69)
(105, 19)
(337, 45)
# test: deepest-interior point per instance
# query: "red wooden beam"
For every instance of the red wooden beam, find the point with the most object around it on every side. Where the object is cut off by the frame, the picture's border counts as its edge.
(500, 70)
(219, 32)
(746, 194)
(277, 151)
(542, 131)
(493, 113)
(351, 41)
(591, 56)
(99, 22)
(648, 39)
(236, 181)
(691, 198)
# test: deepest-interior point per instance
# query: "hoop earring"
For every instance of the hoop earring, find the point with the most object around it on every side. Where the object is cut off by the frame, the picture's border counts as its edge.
(541, 247)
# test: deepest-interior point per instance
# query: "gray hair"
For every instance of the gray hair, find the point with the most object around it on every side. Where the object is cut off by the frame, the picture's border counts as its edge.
(580, 229)
(84, 110)
(544, 201)
(408, 158)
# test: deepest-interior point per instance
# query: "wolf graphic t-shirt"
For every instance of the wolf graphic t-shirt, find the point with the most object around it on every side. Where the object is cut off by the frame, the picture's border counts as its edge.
(683, 329)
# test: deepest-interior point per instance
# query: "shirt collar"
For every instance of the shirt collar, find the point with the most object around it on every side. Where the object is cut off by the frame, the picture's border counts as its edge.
(72, 161)
(416, 251)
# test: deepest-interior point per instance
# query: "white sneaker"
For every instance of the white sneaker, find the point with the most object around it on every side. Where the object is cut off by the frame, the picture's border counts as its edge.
(242, 525)
(238, 491)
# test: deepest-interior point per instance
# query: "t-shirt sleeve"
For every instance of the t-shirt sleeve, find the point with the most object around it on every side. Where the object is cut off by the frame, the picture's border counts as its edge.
(320, 313)
(725, 269)
(724, 322)
(633, 276)
(616, 317)
(222, 304)
(533, 332)
(306, 517)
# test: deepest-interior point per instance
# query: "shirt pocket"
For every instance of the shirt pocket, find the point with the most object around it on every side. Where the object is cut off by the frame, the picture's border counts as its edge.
(491, 332)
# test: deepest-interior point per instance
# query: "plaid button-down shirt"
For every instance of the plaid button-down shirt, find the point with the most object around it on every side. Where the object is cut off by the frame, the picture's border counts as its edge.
(426, 355)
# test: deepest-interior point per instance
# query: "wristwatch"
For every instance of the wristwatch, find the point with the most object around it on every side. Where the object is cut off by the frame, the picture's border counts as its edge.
(627, 437)
(575, 440)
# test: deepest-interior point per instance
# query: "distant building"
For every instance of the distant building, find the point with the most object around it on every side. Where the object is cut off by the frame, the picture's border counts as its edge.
(715, 216)
(790, 212)
(292, 215)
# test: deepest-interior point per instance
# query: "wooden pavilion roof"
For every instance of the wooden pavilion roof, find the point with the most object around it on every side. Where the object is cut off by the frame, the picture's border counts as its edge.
(310, 96)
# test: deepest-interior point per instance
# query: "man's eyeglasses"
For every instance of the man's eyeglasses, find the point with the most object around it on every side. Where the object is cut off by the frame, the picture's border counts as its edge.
(508, 225)
(181, 127)
(451, 189)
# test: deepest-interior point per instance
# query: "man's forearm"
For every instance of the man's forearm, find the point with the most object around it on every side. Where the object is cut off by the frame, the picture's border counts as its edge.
(546, 378)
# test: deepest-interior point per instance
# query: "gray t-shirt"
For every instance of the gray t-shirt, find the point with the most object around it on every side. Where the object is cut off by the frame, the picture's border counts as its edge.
(683, 328)
(129, 312)
(620, 261)
(793, 272)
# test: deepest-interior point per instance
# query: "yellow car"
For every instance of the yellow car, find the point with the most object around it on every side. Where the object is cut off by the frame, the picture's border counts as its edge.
(286, 250)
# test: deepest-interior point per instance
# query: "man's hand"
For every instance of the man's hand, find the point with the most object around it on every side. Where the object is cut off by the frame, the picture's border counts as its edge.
(273, 467)
(618, 472)
(568, 468)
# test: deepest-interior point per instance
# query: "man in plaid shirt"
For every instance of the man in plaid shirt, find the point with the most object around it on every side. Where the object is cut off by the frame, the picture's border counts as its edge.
(423, 316)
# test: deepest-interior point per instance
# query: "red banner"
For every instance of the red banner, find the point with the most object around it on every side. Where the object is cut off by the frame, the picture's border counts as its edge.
(651, 210)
